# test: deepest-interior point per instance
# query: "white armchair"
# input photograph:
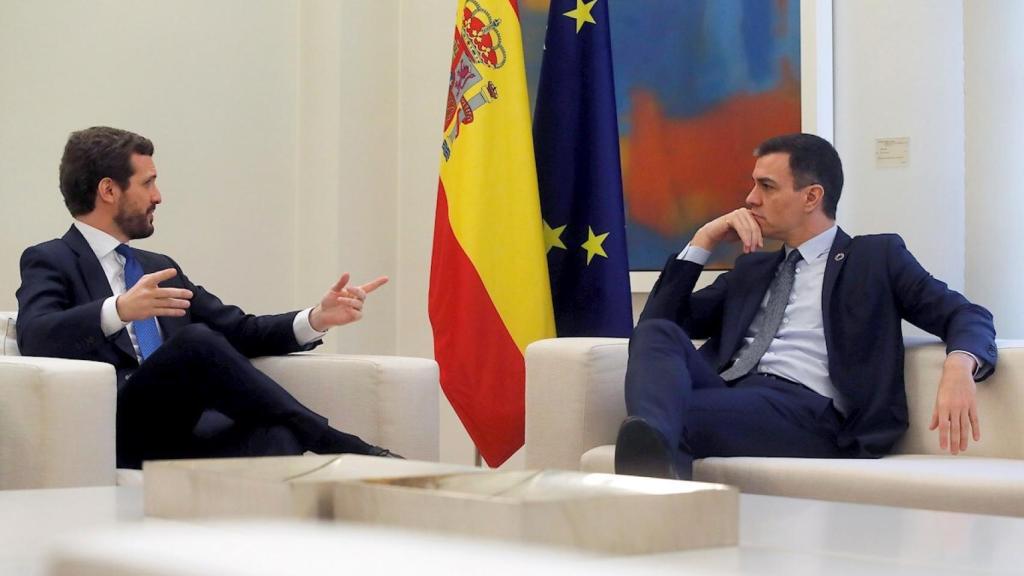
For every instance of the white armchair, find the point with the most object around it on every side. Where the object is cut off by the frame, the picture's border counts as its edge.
(575, 403)
(57, 416)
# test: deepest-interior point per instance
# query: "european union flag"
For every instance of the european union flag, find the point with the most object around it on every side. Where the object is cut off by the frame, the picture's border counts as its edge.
(576, 140)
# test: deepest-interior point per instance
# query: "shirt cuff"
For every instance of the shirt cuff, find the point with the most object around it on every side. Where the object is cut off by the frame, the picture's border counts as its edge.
(979, 366)
(304, 332)
(694, 254)
(110, 322)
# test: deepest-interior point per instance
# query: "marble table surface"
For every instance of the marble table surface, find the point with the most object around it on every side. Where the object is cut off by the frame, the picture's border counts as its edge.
(104, 530)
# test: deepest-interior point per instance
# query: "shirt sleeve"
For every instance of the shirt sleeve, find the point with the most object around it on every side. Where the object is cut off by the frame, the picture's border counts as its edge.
(694, 254)
(110, 322)
(304, 332)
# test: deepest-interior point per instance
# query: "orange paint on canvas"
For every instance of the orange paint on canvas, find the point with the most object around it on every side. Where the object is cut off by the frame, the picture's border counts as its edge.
(680, 173)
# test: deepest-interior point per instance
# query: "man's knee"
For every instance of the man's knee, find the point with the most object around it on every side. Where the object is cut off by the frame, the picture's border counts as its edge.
(277, 440)
(197, 331)
(197, 338)
(658, 330)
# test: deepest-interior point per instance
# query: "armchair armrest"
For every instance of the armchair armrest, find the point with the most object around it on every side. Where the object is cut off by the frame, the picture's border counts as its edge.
(574, 398)
(391, 401)
(57, 422)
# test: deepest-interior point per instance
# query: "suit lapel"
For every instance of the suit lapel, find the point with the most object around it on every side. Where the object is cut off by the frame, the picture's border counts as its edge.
(95, 279)
(96, 282)
(836, 260)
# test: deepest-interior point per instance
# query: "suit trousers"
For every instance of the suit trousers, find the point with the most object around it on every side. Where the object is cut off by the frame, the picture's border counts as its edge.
(671, 385)
(196, 396)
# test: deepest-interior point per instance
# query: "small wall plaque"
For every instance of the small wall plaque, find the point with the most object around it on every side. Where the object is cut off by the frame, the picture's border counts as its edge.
(892, 152)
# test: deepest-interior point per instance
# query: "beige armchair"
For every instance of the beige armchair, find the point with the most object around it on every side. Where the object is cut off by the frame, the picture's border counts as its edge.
(57, 416)
(575, 403)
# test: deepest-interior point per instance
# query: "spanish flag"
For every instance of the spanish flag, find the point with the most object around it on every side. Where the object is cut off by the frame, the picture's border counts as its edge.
(489, 290)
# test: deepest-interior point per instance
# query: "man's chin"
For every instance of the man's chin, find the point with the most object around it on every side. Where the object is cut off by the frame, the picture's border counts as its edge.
(767, 232)
(141, 233)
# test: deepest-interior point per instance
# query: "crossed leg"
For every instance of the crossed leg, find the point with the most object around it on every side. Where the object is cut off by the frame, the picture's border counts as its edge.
(197, 370)
(680, 409)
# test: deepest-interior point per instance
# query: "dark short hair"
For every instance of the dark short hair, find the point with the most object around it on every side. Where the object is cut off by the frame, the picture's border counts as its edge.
(812, 160)
(92, 155)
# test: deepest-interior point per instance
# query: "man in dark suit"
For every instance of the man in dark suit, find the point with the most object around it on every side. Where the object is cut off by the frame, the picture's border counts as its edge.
(185, 387)
(804, 350)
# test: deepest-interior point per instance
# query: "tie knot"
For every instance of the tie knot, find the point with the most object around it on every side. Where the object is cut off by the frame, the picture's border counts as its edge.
(793, 257)
(124, 250)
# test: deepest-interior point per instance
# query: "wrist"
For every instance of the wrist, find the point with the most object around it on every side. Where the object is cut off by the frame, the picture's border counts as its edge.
(960, 361)
(118, 309)
(702, 240)
(314, 319)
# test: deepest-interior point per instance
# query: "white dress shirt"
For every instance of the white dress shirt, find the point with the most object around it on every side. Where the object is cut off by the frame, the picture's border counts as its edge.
(103, 246)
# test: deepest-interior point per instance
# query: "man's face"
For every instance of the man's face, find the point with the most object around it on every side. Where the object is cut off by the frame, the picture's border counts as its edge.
(778, 208)
(137, 202)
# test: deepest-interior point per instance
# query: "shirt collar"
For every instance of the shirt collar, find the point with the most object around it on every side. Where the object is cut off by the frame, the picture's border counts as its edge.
(818, 246)
(100, 242)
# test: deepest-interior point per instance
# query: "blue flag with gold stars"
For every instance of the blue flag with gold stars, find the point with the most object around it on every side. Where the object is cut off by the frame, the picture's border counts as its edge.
(576, 143)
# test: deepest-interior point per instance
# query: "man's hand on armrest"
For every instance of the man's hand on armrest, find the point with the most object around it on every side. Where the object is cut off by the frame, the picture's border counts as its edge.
(956, 409)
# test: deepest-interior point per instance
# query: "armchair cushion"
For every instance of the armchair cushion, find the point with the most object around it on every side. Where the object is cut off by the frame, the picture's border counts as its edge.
(57, 416)
(8, 335)
(390, 401)
(574, 392)
(56, 423)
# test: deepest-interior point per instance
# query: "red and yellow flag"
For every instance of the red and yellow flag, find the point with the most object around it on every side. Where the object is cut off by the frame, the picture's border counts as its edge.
(489, 291)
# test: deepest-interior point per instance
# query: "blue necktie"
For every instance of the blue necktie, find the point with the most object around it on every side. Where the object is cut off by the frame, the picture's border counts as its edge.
(146, 333)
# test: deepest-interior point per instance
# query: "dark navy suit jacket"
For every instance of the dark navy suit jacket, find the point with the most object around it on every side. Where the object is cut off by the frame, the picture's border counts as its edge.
(62, 291)
(871, 283)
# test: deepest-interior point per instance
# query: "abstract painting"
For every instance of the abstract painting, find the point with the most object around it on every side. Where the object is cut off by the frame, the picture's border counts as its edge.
(698, 83)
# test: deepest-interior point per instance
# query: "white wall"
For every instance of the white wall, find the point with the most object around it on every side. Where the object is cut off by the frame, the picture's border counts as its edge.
(899, 72)
(213, 90)
(425, 37)
(275, 138)
(346, 198)
(994, 55)
(204, 84)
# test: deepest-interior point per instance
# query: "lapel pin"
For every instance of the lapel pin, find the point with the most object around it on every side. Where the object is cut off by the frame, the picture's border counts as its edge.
(840, 256)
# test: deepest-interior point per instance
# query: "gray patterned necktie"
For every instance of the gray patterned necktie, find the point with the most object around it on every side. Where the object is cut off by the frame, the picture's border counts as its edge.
(770, 321)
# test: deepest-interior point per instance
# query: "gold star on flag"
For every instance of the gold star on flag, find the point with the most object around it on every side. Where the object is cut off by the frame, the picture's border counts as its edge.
(593, 244)
(582, 13)
(553, 237)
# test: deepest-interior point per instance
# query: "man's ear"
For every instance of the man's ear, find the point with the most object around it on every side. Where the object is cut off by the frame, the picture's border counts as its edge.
(814, 196)
(107, 191)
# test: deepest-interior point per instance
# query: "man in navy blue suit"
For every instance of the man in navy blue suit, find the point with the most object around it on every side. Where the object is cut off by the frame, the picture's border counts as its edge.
(185, 387)
(804, 350)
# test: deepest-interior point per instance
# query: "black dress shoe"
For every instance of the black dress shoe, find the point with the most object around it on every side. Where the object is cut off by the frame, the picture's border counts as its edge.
(641, 450)
(384, 453)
